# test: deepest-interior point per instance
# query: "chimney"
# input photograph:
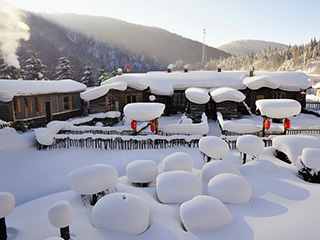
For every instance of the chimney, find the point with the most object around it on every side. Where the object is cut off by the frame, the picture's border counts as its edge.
(169, 68)
(251, 70)
(186, 68)
(219, 68)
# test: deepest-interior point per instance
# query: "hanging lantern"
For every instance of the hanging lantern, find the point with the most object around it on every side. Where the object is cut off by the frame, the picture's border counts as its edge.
(287, 123)
(267, 124)
(152, 127)
(303, 93)
(134, 125)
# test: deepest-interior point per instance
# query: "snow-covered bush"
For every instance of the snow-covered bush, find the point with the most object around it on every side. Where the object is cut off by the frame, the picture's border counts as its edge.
(257, 167)
(60, 216)
(230, 188)
(143, 111)
(94, 180)
(213, 168)
(178, 161)
(44, 136)
(308, 165)
(7, 203)
(122, 212)
(177, 186)
(142, 172)
(213, 147)
(251, 145)
(203, 213)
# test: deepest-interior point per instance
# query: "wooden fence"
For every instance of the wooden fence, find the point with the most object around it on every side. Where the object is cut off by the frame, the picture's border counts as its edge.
(233, 143)
(269, 133)
(312, 105)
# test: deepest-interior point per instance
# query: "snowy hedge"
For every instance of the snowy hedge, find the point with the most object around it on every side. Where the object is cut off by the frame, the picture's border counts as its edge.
(213, 168)
(7, 203)
(213, 147)
(203, 213)
(177, 187)
(60, 214)
(122, 212)
(142, 171)
(178, 161)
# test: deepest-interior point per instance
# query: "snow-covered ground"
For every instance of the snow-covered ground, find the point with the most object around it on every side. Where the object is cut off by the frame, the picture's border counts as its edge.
(283, 206)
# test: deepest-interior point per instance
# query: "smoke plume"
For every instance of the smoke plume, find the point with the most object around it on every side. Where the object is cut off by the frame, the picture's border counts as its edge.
(10, 33)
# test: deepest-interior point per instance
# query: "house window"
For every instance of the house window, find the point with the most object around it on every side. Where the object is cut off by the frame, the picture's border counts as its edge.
(178, 99)
(66, 103)
(131, 99)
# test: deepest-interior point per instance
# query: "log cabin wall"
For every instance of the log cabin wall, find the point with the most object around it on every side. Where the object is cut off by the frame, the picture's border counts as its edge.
(6, 113)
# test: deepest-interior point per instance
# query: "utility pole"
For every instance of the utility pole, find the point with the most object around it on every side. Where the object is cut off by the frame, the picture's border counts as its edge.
(204, 51)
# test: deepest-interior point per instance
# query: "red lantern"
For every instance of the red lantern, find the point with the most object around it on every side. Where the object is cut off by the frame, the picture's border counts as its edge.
(287, 124)
(133, 125)
(153, 127)
(267, 124)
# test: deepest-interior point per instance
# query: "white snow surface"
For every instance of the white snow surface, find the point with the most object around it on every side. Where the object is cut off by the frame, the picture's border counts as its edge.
(11, 88)
(10, 139)
(250, 144)
(186, 128)
(178, 161)
(54, 238)
(239, 125)
(7, 203)
(142, 171)
(44, 136)
(100, 91)
(278, 108)
(60, 214)
(258, 166)
(122, 212)
(177, 186)
(197, 95)
(230, 188)
(203, 213)
(143, 111)
(310, 158)
(93, 179)
(214, 147)
(226, 94)
(215, 167)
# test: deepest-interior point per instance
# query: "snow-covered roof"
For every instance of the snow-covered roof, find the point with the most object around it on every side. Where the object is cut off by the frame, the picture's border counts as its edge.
(278, 108)
(197, 95)
(11, 88)
(97, 92)
(143, 111)
(226, 94)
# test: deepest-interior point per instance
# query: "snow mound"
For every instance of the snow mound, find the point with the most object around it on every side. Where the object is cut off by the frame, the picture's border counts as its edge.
(143, 111)
(257, 167)
(292, 145)
(239, 126)
(197, 95)
(213, 168)
(142, 171)
(122, 212)
(178, 161)
(177, 187)
(7, 203)
(194, 129)
(214, 147)
(10, 139)
(230, 188)
(226, 94)
(250, 144)
(44, 136)
(93, 179)
(310, 158)
(257, 82)
(100, 91)
(60, 214)
(278, 108)
(56, 126)
(203, 213)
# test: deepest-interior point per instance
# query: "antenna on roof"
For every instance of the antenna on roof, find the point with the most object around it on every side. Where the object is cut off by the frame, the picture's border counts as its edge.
(204, 51)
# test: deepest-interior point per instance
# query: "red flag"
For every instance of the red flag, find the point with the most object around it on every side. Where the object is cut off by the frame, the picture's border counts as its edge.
(128, 67)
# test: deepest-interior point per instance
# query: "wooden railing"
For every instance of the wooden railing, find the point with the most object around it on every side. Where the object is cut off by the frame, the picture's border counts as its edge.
(312, 105)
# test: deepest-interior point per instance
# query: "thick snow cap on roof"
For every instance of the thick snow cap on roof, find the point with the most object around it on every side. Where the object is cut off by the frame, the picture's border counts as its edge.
(278, 108)
(11, 88)
(97, 92)
(143, 111)
(197, 95)
(226, 94)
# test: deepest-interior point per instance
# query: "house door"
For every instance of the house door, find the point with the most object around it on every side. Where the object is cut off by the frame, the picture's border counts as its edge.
(48, 111)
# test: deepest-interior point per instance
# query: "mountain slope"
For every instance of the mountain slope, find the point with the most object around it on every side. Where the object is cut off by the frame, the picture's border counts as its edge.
(245, 46)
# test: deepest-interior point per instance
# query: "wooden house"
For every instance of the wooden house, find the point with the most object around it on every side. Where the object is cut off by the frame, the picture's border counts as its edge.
(28, 104)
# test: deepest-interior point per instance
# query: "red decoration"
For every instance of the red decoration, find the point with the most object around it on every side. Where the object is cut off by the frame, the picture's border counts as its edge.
(287, 124)
(153, 127)
(133, 125)
(267, 124)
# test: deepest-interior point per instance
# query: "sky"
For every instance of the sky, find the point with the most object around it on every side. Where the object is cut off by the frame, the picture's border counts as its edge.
(284, 21)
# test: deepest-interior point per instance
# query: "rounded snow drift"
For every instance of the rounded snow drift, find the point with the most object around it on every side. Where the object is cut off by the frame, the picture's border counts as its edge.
(60, 214)
(310, 158)
(213, 168)
(143, 111)
(93, 179)
(203, 213)
(7, 203)
(250, 144)
(197, 95)
(178, 161)
(213, 147)
(122, 212)
(177, 186)
(44, 136)
(230, 188)
(258, 166)
(142, 171)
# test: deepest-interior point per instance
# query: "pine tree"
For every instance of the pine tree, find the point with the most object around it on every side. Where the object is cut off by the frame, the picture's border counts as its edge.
(101, 70)
(34, 69)
(63, 70)
(87, 77)
(8, 72)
